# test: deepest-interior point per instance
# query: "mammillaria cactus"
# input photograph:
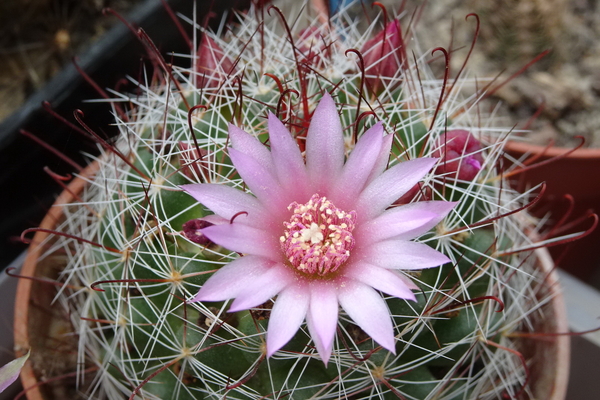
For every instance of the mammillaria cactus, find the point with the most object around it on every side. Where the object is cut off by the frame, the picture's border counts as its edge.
(295, 169)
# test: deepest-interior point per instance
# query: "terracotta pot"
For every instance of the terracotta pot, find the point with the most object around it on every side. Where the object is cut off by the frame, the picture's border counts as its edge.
(578, 174)
(37, 325)
(551, 354)
(42, 328)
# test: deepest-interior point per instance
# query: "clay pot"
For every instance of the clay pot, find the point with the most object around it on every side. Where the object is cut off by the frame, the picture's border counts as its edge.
(551, 354)
(578, 174)
(39, 326)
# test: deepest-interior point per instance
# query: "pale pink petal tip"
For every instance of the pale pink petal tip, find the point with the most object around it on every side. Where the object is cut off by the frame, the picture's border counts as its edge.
(287, 315)
(229, 281)
(322, 318)
(370, 312)
(10, 372)
(325, 144)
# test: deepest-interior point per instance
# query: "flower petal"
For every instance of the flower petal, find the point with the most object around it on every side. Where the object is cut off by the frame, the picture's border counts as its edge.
(368, 309)
(324, 145)
(403, 222)
(358, 167)
(289, 164)
(402, 254)
(385, 280)
(391, 185)
(286, 317)
(322, 317)
(382, 159)
(245, 239)
(10, 372)
(226, 201)
(260, 180)
(251, 146)
(231, 279)
(260, 289)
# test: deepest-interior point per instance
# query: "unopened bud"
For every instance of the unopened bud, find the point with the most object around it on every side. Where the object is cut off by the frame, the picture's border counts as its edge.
(213, 66)
(192, 230)
(384, 55)
(460, 155)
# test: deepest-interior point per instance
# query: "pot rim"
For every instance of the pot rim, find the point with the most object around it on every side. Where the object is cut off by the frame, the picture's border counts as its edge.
(21, 319)
(552, 151)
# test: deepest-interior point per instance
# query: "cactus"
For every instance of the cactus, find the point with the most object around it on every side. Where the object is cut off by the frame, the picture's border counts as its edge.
(138, 248)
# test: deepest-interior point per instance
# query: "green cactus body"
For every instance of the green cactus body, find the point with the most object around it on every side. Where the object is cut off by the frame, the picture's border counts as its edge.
(141, 324)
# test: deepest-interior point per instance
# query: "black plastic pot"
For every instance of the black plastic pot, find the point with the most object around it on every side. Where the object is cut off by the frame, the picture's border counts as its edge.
(27, 192)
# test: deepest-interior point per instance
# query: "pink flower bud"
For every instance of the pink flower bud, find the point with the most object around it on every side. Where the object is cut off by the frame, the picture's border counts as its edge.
(212, 66)
(192, 230)
(384, 55)
(460, 155)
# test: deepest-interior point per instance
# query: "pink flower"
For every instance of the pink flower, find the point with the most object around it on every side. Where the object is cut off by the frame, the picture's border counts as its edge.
(384, 55)
(461, 155)
(319, 234)
(212, 66)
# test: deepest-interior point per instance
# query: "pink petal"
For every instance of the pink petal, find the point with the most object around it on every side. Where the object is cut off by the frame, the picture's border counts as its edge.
(368, 309)
(259, 180)
(288, 160)
(245, 239)
(251, 146)
(259, 289)
(10, 372)
(385, 280)
(231, 279)
(382, 159)
(322, 317)
(391, 185)
(403, 222)
(215, 219)
(226, 201)
(402, 254)
(359, 166)
(324, 145)
(286, 317)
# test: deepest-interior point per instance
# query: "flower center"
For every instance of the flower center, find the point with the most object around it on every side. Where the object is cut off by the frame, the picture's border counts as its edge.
(318, 238)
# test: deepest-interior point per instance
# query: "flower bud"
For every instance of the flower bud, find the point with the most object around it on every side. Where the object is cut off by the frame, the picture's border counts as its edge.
(460, 155)
(212, 66)
(383, 55)
(192, 230)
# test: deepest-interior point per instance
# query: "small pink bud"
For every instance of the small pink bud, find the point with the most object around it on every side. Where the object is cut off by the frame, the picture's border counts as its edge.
(192, 230)
(459, 151)
(384, 55)
(213, 66)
